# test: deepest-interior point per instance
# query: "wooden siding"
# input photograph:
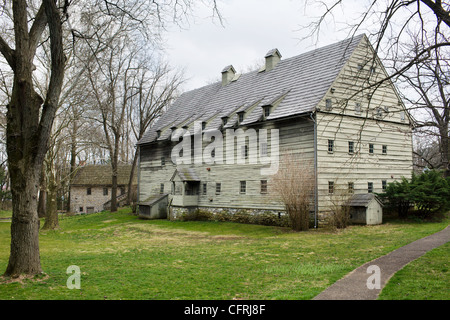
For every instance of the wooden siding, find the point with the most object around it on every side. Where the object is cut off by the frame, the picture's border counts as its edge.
(296, 136)
(379, 123)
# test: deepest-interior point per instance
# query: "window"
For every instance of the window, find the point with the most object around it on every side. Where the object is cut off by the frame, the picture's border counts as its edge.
(161, 188)
(203, 125)
(330, 186)
(402, 116)
(384, 149)
(266, 111)
(88, 191)
(122, 191)
(358, 109)
(351, 187)
(205, 188)
(384, 185)
(218, 188)
(224, 120)
(105, 191)
(379, 112)
(243, 187)
(330, 145)
(263, 186)
(370, 187)
(163, 161)
(244, 152)
(81, 209)
(241, 117)
(158, 133)
(328, 104)
(350, 147)
(371, 147)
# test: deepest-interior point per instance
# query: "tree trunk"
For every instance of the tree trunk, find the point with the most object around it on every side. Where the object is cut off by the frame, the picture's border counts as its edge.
(25, 167)
(42, 203)
(114, 165)
(445, 150)
(130, 182)
(24, 256)
(73, 159)
(114, 191)
(51, 218)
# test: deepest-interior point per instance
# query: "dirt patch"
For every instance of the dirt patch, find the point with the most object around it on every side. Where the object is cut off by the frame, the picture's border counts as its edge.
(22, 278)
(227, 238)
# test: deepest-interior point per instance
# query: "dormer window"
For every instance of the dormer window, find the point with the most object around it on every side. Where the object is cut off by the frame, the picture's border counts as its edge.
(203, 125)
(241, 117)
(224, 120)
(267, 110)
(158, 133)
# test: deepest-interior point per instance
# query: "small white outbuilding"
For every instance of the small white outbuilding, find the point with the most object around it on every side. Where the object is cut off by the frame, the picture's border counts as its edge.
(365, 209)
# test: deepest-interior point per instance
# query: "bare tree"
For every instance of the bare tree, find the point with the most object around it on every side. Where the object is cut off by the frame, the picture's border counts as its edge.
(30, 117)
(339, 196)
(427, 92)
(413, 39)
(294, 185)
(109, 75)
(29, 122)
(154, 87)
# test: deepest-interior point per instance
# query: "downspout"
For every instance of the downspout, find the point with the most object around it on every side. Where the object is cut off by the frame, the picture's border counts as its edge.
(138, 178)
(313, 118)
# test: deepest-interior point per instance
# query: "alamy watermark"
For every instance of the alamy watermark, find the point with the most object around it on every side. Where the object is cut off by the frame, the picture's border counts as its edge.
(374, 281)
(74, 280)
(218, 151)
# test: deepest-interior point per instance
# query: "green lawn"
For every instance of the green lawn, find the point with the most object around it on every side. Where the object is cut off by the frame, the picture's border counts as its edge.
(426, 278)
(122, 257)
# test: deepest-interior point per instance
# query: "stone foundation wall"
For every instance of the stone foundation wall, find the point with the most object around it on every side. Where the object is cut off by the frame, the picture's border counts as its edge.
(268, 217)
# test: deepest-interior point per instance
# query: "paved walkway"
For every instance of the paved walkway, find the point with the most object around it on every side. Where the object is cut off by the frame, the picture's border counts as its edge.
(354, 285)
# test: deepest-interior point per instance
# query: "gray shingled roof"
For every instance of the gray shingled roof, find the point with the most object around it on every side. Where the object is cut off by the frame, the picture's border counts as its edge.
(101, 175)
(303, 80)
(362, 200)
(186, 174)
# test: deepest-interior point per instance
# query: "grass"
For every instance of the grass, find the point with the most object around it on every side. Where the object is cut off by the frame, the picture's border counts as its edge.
(5, 214)
(426, 278)
(122, 257)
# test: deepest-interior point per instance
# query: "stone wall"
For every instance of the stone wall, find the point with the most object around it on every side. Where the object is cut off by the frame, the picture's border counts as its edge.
(82, 202)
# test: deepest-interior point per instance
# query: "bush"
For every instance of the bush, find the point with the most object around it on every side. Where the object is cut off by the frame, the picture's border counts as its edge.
(197, 215)
(340, 217)
(429, 192)
(223, 216)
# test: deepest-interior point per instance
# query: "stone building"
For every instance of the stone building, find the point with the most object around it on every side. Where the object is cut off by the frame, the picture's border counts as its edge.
(90, 190)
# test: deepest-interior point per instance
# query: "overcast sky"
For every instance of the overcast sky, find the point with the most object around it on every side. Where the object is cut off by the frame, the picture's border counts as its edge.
(250, 29)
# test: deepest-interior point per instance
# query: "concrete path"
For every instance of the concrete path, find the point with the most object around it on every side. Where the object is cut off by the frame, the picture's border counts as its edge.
(355, 285)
